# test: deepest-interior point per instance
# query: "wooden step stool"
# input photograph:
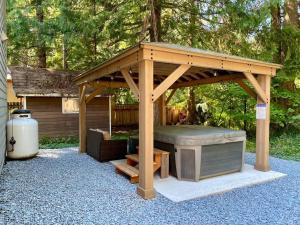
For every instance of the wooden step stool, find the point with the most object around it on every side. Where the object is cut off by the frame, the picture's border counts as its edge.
(160, 161)
(131, 171)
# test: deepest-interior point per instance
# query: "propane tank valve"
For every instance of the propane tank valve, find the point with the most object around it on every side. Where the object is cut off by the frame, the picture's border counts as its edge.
(12, 141)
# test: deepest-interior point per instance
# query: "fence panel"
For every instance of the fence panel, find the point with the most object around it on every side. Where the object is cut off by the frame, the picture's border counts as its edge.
(126, 115)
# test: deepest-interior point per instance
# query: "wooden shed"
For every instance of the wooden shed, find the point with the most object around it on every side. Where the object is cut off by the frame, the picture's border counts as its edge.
(3, 89)
(150, 69)
(52, 98)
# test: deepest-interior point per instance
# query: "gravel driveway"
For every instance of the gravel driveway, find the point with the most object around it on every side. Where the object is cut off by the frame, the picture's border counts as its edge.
(63, 187)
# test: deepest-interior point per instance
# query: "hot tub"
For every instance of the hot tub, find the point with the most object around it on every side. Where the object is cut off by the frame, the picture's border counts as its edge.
(198, 152)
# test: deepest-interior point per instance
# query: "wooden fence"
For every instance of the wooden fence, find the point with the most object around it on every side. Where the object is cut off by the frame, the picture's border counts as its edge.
(125, 115)
(128, 115)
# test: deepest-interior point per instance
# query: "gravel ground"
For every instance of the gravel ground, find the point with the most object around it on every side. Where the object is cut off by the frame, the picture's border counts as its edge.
(63, 187)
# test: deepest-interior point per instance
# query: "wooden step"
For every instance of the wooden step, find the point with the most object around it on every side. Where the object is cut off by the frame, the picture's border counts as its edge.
(156, 151)
(131, 171)
(161, 158)
(159, 151)
(135, 158)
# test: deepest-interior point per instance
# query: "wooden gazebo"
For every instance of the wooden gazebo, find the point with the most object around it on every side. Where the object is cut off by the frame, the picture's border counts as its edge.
(150, 69)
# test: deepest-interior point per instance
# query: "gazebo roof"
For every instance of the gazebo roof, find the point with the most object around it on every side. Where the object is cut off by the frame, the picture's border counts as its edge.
(206, 66)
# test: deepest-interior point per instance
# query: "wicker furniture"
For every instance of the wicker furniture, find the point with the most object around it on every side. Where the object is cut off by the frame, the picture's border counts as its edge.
(105, 150)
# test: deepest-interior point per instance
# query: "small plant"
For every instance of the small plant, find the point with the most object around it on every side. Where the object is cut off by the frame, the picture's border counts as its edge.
(66, 142)
(285, 146)
(58, 142)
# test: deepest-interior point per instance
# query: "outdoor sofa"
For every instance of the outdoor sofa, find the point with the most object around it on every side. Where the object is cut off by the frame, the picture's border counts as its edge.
(102, 148)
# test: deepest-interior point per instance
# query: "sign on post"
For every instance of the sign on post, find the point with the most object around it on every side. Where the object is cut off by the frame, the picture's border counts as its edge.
(261, 111)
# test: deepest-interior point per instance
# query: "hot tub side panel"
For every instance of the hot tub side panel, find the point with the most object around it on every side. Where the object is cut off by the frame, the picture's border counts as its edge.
(220, 159)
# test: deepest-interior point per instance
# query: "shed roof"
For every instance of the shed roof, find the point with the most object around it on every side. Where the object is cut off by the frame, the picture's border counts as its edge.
(42, 82)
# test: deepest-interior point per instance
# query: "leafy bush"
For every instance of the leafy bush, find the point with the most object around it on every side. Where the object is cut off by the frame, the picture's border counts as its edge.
(285, 146)
(66, 142)
(60, 142)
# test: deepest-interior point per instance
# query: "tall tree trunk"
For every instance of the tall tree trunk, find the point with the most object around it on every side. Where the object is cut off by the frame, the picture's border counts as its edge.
(95, 41)
(192, 25)
(289, 23)
(155, 20)
(276, 27)
(41, 45)
(245, 114)
(291, 13)
(65, 53)
(291, 19)
(192, 113)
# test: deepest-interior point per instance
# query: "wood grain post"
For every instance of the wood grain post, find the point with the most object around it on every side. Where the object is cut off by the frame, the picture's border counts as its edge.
(145, 186)
(164, 170)
(162, 110)
(262, 127)
(82, 121)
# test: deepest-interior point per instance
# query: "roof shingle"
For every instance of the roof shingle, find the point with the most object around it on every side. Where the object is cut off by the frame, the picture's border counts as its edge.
(37, 81)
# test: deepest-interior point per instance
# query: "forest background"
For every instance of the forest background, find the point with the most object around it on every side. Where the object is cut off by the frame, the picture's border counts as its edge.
(79, 34)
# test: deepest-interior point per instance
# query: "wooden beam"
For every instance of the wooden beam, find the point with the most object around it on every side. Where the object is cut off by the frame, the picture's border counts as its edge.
(108, 84)
(133, 87)
(195, 76)
(162, 110)
(263, 127)
(93, 95)
(187, 78)
(170, 96)
(129, 58)
(203, 74)
(167, 83)
(210, 80)
(82, 122)
(208, 60)
(82, 94)
(246, 88)
(121, 76)
(145, 186)
(256, 86)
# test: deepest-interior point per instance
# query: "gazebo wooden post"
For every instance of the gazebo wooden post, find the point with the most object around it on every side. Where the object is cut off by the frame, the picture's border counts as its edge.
(263, 127)
(145, 186)
(82, 119)
(162, 110)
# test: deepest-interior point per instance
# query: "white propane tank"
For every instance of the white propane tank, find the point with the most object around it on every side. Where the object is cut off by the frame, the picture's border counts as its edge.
(22, 135)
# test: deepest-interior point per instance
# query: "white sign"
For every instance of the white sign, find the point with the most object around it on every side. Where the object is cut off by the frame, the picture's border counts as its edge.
(261, 111)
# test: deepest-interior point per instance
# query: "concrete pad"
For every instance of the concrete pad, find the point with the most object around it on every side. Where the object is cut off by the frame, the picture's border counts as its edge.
(178, 191)
(117, 162)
